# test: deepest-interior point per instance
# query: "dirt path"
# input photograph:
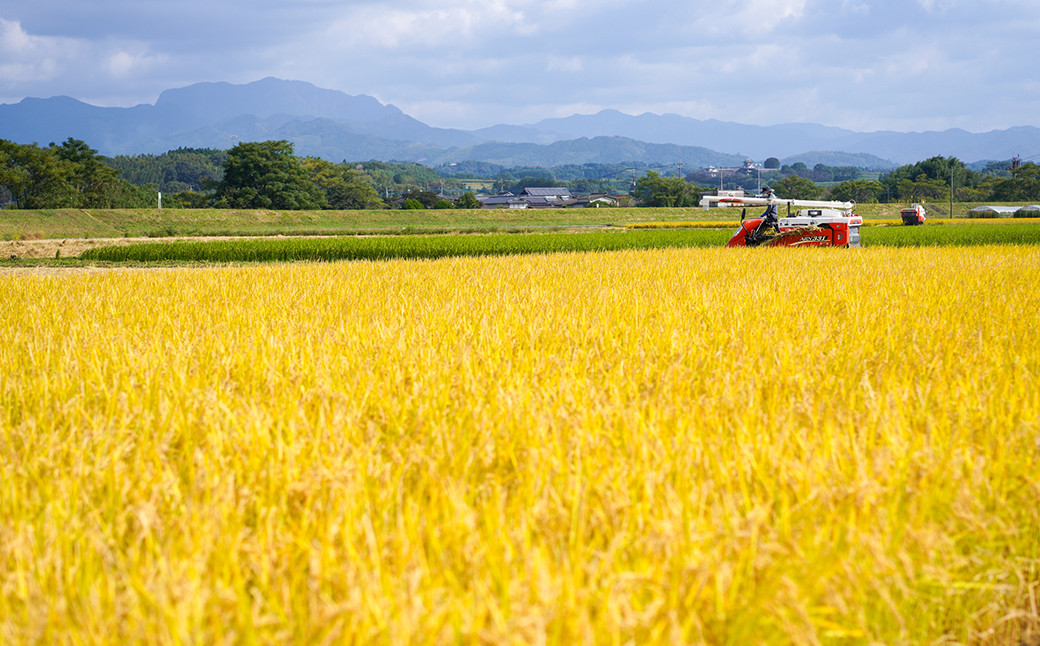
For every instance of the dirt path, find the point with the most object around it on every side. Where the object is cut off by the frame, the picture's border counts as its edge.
(70, 247)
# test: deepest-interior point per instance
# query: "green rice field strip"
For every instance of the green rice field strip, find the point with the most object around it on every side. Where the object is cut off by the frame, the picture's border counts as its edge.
(386, 247)
(418, 246)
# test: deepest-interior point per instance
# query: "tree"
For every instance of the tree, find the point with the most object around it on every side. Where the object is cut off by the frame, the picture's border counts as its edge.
(343, 186)
(858, 190)
(1022, 186)
(96, 184)
(426, 198)
(35, 177)
(266, 175)
(443, 204)
(184, 169)
(930, 179)
(69, 175)
(794, 187)
(653, 190)
(771, 163)
(921, 188)
(412, 204)
(467, 201)
(822, 173)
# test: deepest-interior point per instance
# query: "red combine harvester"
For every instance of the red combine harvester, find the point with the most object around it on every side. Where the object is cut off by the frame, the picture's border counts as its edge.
(913, 216)
(818, 224)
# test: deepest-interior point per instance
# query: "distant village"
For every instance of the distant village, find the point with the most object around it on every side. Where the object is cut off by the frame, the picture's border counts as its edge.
(555, 197)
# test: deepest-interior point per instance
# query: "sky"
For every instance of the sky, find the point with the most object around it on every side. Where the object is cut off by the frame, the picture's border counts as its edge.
(865, 65)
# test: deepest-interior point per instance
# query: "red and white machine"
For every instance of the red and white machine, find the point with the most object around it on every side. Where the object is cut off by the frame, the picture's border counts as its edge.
(913, 215)
(819, 223)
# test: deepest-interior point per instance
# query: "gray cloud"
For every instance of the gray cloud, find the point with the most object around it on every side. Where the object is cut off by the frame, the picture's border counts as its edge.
(862, 64)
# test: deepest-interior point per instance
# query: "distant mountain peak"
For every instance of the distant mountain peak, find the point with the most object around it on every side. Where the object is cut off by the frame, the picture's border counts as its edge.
(271, 96)
(338, 126)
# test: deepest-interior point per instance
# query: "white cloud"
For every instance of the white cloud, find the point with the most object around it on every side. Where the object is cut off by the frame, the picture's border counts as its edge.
(13, 38)
(32, 58)
(937, 5)
(565, 64)
(363, 27)
(122, 64)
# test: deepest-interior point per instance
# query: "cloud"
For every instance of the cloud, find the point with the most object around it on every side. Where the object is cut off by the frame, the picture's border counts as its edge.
(868, 64)
(125, 64)
(78, 66)
(33, 59)
(13, 39)
(364, 27)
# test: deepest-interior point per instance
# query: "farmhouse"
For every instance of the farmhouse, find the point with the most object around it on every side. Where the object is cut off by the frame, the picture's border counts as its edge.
(502, 201)
(550, 194)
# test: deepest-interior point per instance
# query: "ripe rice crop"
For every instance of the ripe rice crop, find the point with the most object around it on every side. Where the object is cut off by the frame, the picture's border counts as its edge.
(669, 446)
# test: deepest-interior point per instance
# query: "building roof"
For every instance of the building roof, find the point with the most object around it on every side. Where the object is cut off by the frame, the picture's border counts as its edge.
(553, 191)
(500, 199)
(992, 211)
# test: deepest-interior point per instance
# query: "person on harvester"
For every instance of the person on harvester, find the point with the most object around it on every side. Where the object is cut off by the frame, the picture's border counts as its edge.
(769, 217)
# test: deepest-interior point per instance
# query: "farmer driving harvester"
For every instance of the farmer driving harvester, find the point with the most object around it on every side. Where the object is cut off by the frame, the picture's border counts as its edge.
(769, 217)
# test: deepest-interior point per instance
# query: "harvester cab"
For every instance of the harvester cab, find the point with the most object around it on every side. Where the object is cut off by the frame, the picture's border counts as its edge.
(818, 223)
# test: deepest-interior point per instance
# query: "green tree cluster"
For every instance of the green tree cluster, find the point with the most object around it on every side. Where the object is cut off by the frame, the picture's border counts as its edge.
(393, 178)
(858, 190)
(176, 171)
(929, 179)
(467, 201)
(267, 175)
(427, 199)
(1022, 186)
(653, 190)
(70, 175)
(795, 187)
(343, 186)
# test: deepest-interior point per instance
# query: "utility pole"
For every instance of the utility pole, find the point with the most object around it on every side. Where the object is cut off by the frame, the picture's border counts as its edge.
(951, 191)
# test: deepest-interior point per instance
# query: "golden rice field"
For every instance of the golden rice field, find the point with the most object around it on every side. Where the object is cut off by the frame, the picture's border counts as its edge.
(716, 446)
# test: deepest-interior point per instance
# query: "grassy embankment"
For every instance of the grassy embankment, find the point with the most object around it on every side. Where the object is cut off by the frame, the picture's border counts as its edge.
(118, 223)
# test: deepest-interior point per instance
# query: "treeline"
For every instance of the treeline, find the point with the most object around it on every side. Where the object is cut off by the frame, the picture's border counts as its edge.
(926, 181)
(69, 175)
(579, 178)
(269, 175)
(251, 175)
(176, 171)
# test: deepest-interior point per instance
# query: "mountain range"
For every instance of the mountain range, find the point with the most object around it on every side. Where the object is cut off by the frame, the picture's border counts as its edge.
(337, 126)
